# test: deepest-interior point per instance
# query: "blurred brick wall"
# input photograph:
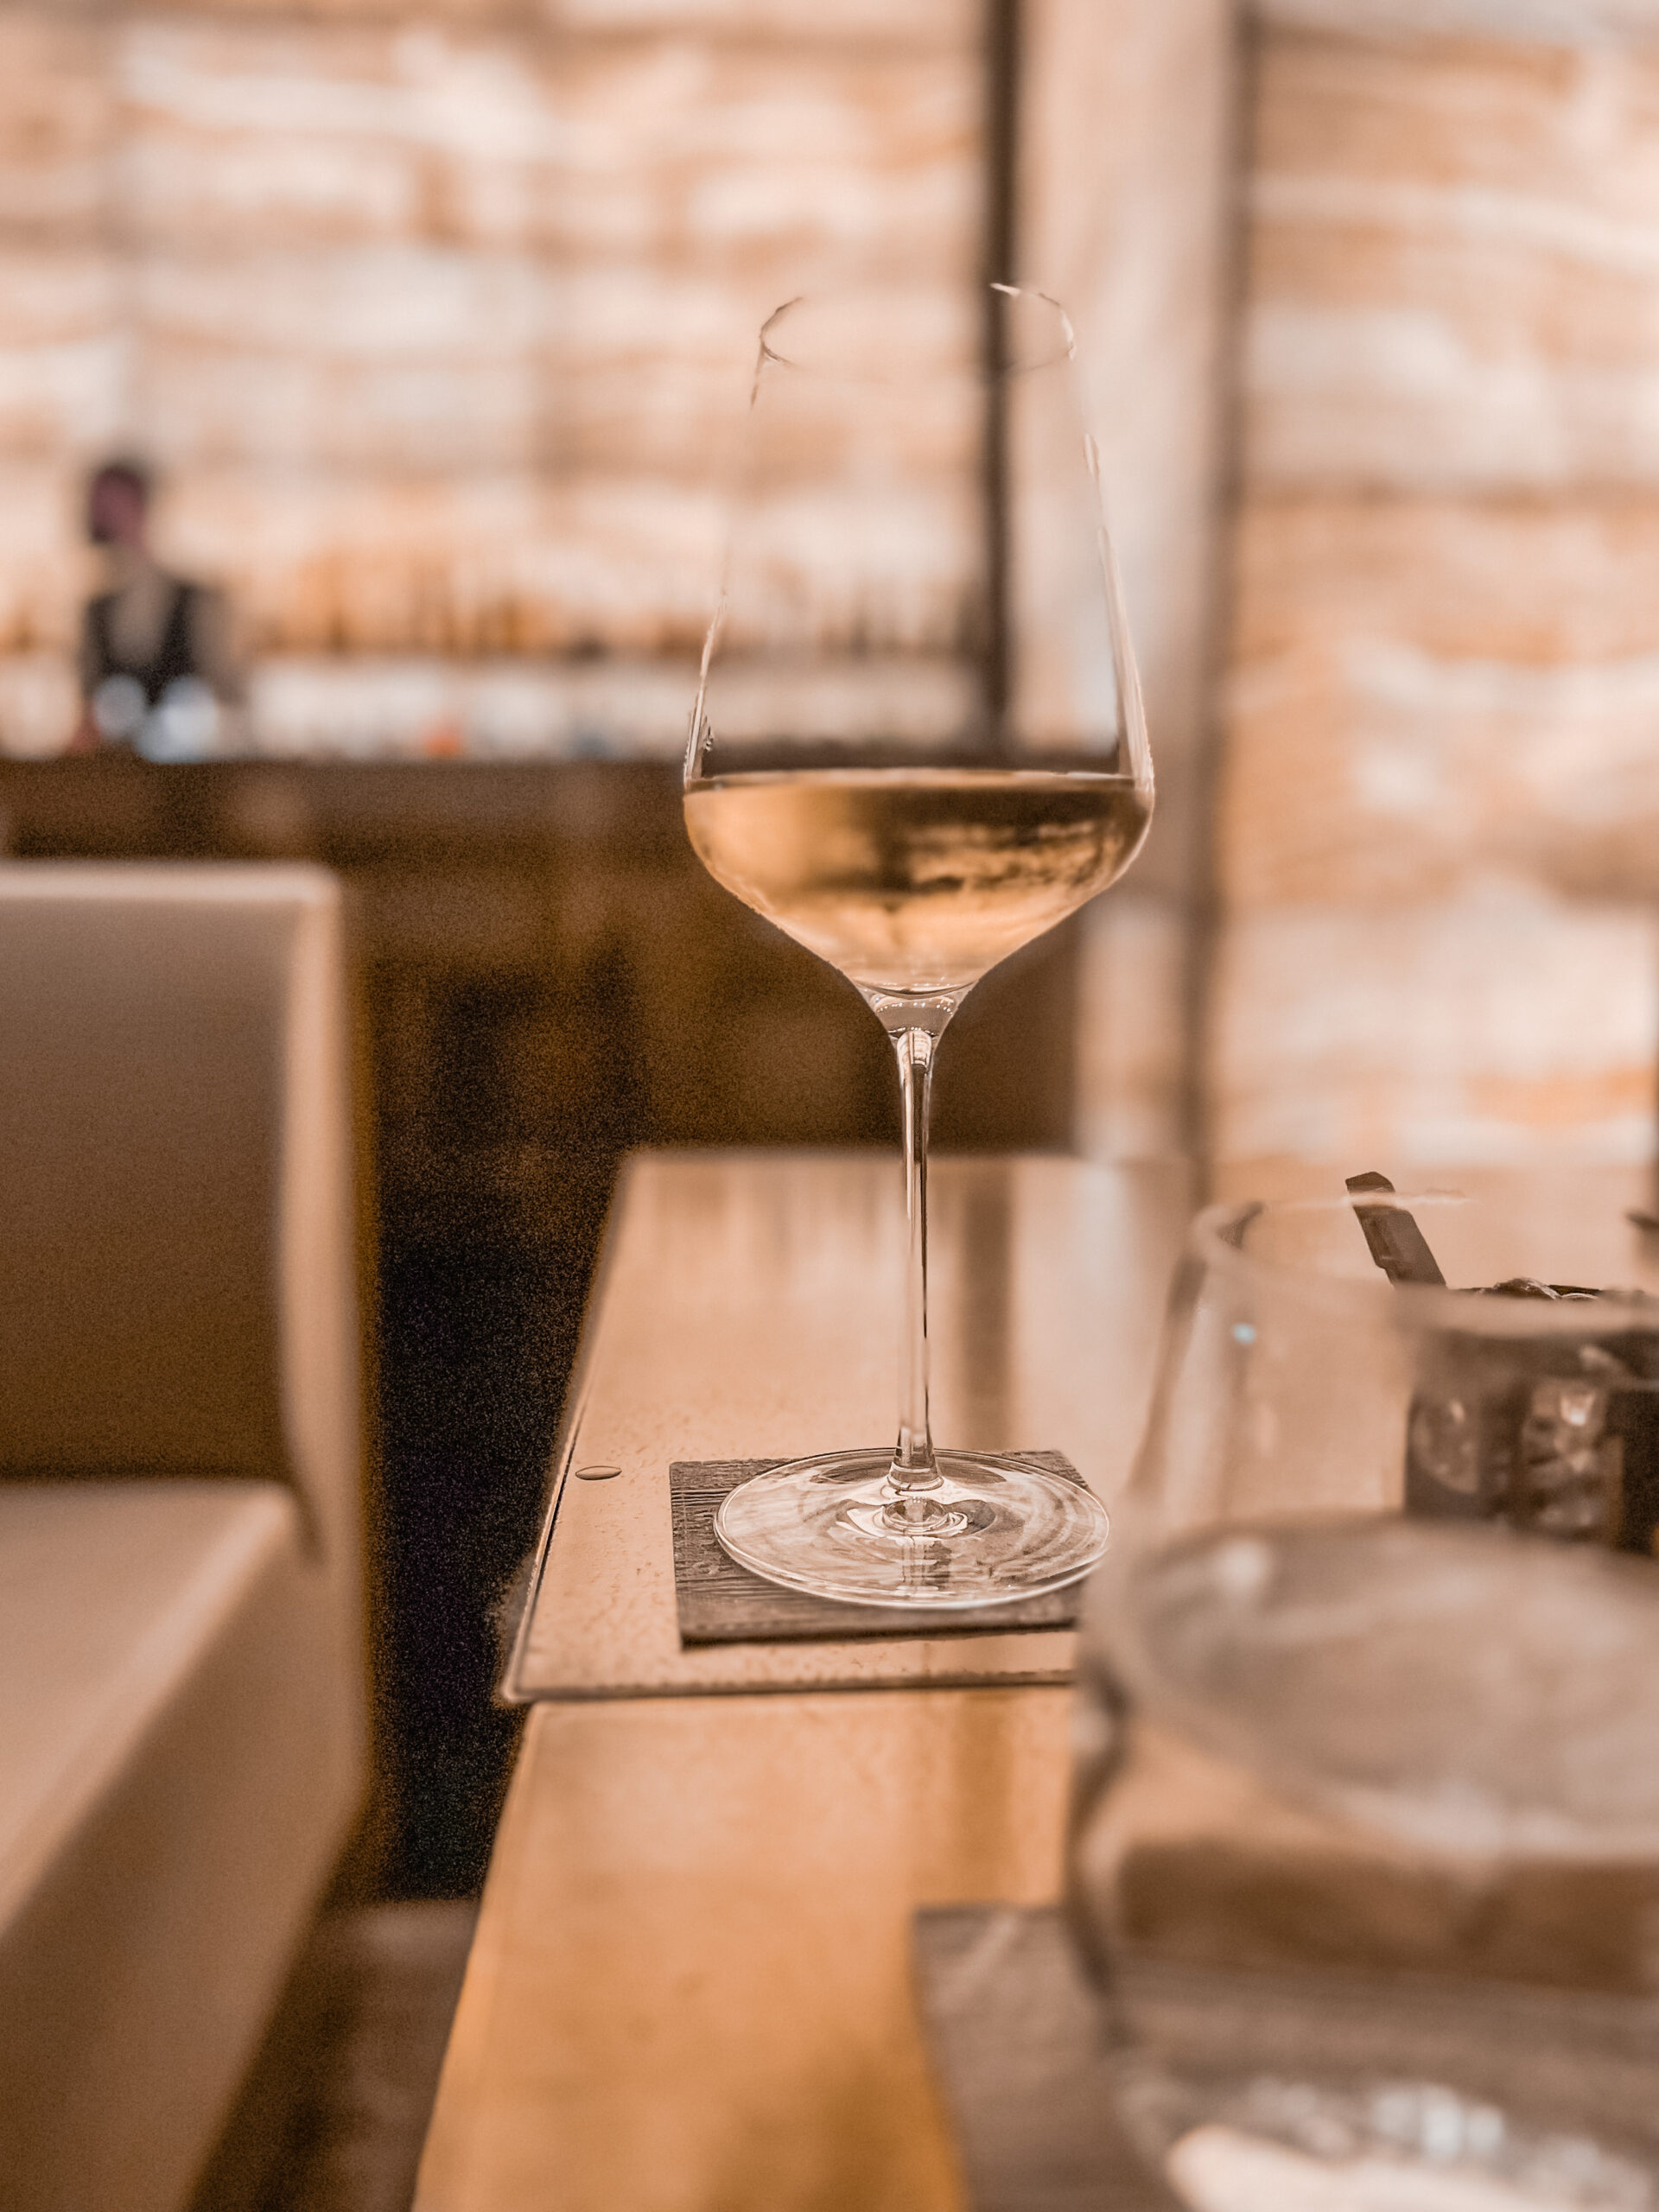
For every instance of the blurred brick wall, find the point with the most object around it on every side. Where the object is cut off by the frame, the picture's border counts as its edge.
(435, 322)
(435, 319)
(1126, 176)
(1437, 818)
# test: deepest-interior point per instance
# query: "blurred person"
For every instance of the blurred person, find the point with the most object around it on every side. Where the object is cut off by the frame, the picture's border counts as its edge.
(157, 673)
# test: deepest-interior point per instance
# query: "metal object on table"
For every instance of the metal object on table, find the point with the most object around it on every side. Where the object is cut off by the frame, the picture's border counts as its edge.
(1558, 1434)
(1397, 1245)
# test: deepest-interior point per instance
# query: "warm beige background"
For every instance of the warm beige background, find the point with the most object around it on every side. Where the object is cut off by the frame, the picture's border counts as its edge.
(435, 320)
(1440, 763)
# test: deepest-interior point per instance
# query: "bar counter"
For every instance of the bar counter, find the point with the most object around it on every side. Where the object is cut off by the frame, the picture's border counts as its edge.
(691, 1988)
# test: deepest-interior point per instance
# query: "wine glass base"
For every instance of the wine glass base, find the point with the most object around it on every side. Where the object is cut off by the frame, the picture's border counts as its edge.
(996, 1528)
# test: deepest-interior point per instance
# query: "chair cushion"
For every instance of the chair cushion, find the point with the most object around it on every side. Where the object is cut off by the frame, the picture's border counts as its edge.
(180, 1761)
(144, 1031)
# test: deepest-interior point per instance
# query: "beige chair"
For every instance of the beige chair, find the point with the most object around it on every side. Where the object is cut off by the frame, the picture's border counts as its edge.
(181, 1626)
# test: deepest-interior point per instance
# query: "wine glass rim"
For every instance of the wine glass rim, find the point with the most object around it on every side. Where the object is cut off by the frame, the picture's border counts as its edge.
(1063, 350)
(1213, 1240)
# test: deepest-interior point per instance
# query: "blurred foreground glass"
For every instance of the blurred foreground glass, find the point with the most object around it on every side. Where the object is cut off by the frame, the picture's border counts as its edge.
(918, 743)
(1368, 1685)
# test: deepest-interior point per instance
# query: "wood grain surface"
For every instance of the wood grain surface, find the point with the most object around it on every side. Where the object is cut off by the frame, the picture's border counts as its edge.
(691, 1986)
(691, 1990)
(749, 1308)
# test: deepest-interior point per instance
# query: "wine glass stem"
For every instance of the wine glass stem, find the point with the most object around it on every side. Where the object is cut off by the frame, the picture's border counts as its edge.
(913, 1465)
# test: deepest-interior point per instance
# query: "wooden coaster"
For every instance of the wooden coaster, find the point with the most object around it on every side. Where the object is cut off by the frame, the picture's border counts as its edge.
(1019, 2036)
(720, 1602)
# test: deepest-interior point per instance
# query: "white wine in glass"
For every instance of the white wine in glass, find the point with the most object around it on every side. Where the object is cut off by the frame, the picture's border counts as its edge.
(916, 880)
(913, 787)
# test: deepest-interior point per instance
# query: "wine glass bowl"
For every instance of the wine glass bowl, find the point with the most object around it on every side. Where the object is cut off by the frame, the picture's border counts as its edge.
(918, 743)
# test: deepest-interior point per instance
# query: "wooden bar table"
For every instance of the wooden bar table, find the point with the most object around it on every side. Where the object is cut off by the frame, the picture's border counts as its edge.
(690, 1990)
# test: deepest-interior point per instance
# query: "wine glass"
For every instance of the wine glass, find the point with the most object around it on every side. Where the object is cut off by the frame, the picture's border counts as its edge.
(918, 742)
(1368, 1693)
